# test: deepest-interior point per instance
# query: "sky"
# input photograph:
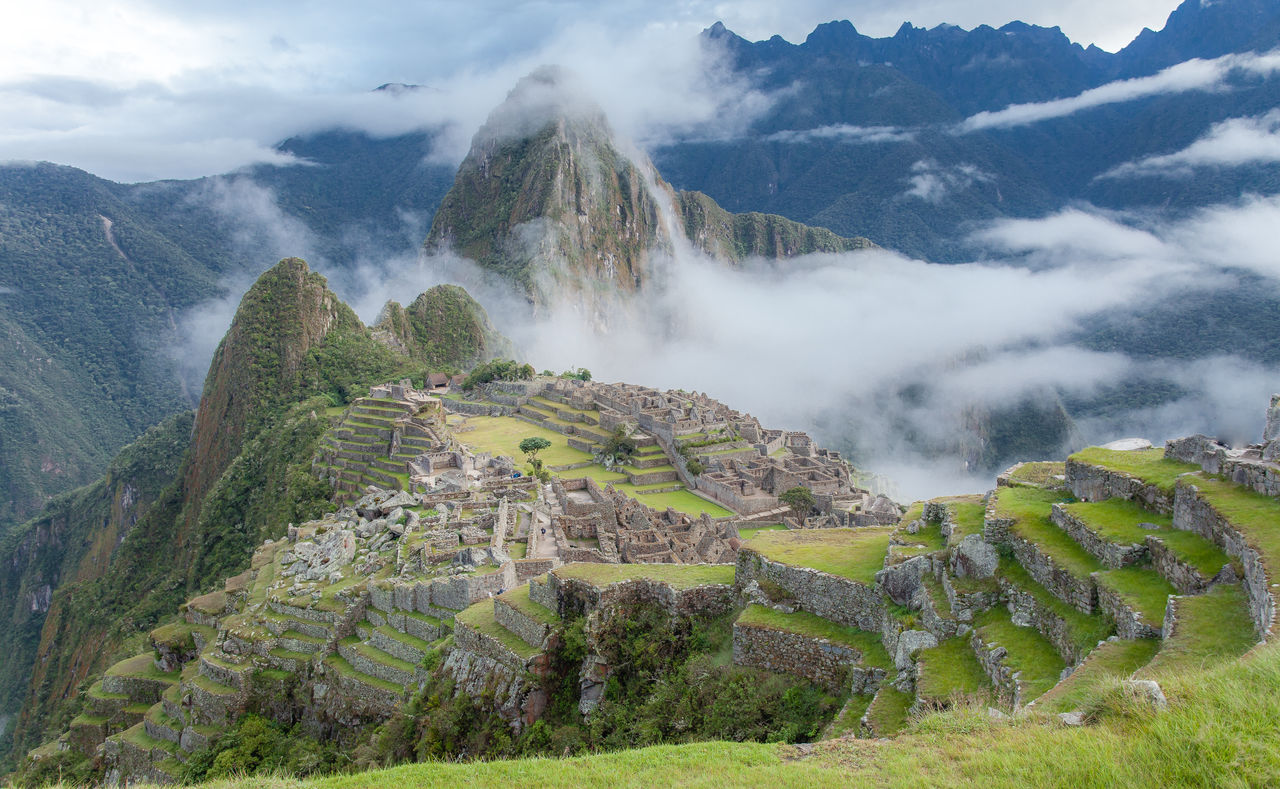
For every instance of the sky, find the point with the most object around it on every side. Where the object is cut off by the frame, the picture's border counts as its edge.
(137, 90)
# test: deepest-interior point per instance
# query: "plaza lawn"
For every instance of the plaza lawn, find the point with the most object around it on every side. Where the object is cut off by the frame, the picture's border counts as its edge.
(501, 435)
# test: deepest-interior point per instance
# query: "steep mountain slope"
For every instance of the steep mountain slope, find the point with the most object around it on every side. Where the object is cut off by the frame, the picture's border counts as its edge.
(293, 350)
(546, 198)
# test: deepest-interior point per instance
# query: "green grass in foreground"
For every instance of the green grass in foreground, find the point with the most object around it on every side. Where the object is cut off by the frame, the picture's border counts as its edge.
(1030, 507)
(850, 716)
(1119, 521)
(1212, 628)
(1108, 664)
(1148, 465)
(806, 624)
(856, 554)
(1029, 652)
(950, 669)
(685, 501)
(1142, 589)
(679, 576)
(1256, 516)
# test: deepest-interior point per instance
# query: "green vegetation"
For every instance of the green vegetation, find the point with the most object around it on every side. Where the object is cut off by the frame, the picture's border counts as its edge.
(1108, 664)
(255, 744)
(806, 624)
(679, 576)
(1030, 508)
(856, 554)
(752, 531)
(1148, 465)
(1120, 521)
(799, 499)
(1142, 589)
(1207, 558)
(1085, 630)
(480, 618)
(497, 370)
(1043, 473)
(445, 329)
(1029, 652)
(967, 517)
(888, 712)
(518, 599)
(951, 670)
(1212, 628)
(1254, 514)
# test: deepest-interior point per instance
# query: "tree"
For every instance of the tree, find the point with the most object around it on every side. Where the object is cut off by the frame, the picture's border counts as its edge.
(799, 499)
(620, 445)
(531, 446)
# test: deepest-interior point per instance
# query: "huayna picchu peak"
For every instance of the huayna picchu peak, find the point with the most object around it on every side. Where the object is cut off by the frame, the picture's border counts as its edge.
(548, 198)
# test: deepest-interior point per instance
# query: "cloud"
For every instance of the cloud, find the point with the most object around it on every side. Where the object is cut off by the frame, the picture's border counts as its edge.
(843, 132)
(933, 183)
(1196, 74)
(1232, 143)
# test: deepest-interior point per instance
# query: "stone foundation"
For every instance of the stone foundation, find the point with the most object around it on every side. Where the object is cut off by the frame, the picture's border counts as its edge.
(838, 599)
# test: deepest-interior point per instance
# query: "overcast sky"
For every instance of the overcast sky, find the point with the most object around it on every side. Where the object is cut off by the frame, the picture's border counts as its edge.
(141, 89)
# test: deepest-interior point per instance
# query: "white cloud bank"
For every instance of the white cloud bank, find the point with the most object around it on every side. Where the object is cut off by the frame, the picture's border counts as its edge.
(1203, 75)
(1235, 142)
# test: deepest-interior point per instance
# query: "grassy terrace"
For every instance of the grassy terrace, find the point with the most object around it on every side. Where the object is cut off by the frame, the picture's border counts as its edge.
(143, 666)
(340, 665)
(1256, 516)
(1212, 628)
(806, 624)
(1085, 629)
(1030, 508)
(1029, 652)
(950, 669)
(518, 599)
(928, 540)
(679, 576)
(1119, 521)
(1143, 589)
(480, 617)
(967, 513)
(1148, 465)
(856, 554)
(748, 533)
(1195, 550)
(888, 711)
(850, 716)
(1109, 663)
(1044, 473)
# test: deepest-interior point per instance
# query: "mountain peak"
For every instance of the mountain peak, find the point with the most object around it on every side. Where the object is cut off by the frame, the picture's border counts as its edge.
(550, 95)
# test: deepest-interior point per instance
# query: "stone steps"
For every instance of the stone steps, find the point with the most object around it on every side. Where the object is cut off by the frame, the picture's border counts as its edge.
(1072, 632)
(356, 683)
(295, 641)
(223, 671)
(288, 660)
(160, 725)
(1113, 531)
(1021, 518)
(839, 658)
(138, 679)
(1135, 598)
(424, 627)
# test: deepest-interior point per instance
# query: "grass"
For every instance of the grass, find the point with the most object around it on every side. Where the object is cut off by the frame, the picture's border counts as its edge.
(1142, 589)
(806, 624)
(888, 711)
(480, 617)
(1219, 730)
(855, 554)
(143, 666)
(685, 501)
(1030, 508)
(1085, 630)
(213, 686)
(966, 516)
(1029, 652)
(928, 540)
(914, 512)
(1043, 473)
(850, 717)
(746, 534)
(1148, 465)
(679, 576)
(1109, 663)
(518, 599)
(340, 665)
(950, 669)
(1207, 558)
(1256, 516)
(1119, 521)
(1212, 628)
(501, 435)
(516, 549)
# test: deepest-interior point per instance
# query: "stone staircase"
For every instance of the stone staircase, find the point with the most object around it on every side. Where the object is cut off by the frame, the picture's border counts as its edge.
(372, 445)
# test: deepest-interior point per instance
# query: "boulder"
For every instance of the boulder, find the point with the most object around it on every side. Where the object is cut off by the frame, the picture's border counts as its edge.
(1148, 691)
(975, 558)
(901, 581)
(910, 642)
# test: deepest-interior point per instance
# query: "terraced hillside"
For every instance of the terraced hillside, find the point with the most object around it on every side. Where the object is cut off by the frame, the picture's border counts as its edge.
(1063, 584)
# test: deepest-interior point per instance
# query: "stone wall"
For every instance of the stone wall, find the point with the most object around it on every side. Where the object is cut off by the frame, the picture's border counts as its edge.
(815, 659)
(838, 599)
(1185, 578)
(1095, 483)
(991, 657)
(1112, 554)
(527, 569)
(531, 631)
(1026, 611)
(1129, 622)
(1079, 593)
(1193, 513)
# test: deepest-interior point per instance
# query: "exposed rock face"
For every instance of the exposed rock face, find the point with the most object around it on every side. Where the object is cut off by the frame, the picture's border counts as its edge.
(975, 557)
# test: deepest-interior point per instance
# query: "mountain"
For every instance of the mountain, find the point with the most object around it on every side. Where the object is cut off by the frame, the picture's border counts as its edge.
(443, 327)
(184, 506)
(546, 198)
